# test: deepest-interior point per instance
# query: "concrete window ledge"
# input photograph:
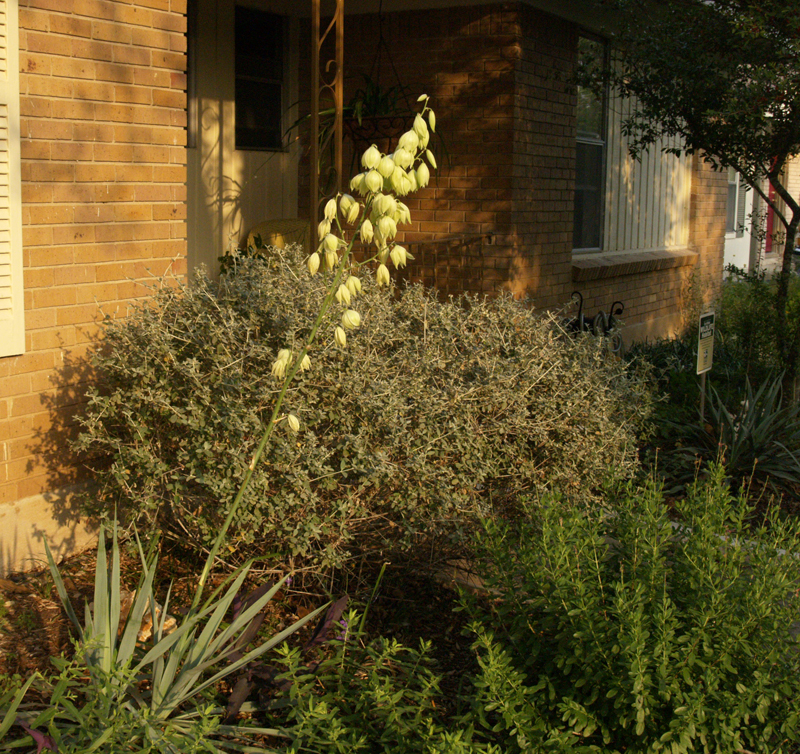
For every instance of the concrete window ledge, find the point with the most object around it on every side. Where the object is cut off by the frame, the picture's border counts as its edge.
(597, 265)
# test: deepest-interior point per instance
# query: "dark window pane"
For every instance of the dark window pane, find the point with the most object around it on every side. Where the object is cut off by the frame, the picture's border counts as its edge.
(588, 196)
(259, 79)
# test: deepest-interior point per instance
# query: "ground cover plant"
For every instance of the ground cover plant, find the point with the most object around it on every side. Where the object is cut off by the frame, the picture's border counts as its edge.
(434, 414)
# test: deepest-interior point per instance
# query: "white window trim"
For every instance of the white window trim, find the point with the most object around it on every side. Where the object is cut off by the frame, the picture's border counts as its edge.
(12, 322)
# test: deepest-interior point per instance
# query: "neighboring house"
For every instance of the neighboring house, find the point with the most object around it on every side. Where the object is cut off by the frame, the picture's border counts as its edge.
(114, 156)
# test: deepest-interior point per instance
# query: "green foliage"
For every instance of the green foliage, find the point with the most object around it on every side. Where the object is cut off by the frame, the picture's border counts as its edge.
(758, 439)
(627, 632)
(373, 697)
(435, 414)
(147, 698)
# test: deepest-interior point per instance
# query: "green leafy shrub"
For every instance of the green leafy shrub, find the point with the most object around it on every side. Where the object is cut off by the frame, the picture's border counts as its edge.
(377, 696)
(434, 414)
(625, 632)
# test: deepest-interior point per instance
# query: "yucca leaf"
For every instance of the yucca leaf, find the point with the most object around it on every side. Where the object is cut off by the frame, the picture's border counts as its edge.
(61, 589)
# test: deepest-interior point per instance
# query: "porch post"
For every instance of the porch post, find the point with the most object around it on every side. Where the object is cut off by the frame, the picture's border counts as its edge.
(332, 86)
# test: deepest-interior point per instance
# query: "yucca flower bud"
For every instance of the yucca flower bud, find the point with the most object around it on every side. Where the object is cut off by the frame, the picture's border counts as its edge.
(374, 181)
(343, 295)
(353, 285)
(330, 209)
(293, 422)
(313, 263)
(431, 158)
(340, 336)
(422, 97)
(432, 120)
(305, 364)
(402, 158)
(420, 126)
(424, 139)
(323, 228)
(371, 158)
(386, 166)
(330, 242)
(331, 259)
(409, 141)
(351, 319)
(398, 256)
(387, 227)
(423, 175)
(366, 231)
(383, 254)
(382, 275)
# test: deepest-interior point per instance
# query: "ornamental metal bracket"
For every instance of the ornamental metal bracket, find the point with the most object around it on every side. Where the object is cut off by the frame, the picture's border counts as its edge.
(326, 87)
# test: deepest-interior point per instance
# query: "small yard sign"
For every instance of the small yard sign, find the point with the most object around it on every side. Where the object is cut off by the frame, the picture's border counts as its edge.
(705, 345)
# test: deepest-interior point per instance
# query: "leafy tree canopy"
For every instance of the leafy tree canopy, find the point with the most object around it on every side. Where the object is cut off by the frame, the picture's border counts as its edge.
(724, 76)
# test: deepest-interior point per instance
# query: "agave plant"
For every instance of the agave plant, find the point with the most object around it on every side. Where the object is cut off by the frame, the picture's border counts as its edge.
(157, 688)
(761, 438)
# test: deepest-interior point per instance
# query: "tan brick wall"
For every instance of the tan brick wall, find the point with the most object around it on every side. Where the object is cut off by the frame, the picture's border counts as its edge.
(103, 103)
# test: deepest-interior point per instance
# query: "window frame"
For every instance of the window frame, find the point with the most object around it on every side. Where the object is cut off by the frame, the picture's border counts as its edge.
(589, 140)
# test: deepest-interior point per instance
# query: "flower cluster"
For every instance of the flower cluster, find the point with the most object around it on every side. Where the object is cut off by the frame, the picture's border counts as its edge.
(376, 217)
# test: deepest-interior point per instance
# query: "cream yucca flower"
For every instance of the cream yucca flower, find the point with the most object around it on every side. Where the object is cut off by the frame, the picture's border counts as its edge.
(382, 275)
(293, 422)
(353, 285)
(351, 319)
(305, 363)
(402, 158)
(313, 263)
(409, 141)
(323, 228)
(280, 364)
(330, 242)
(404, 215)
(343, 295)
(386, 166)
(399, 256)
(423, 175)
(371, 158)
(356, 183)
(387, 227)
(374, 181)
(352, 213)
(366, 231)
(331, 259)
(340, 336)
(383, 254)
(330, 209)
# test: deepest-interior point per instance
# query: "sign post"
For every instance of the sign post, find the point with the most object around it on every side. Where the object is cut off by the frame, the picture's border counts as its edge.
(705, 355)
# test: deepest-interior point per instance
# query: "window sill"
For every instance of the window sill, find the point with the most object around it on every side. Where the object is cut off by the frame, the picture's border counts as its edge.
(598, 265)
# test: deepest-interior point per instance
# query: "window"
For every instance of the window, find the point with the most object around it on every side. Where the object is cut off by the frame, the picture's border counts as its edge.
(259, 79)
(736, 203)
(590, 154)
(12, 324)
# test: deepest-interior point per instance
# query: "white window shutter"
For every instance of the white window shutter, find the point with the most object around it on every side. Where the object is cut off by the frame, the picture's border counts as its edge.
(12, 325)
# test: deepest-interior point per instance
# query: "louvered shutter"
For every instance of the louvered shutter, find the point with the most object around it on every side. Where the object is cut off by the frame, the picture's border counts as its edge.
(12, 326)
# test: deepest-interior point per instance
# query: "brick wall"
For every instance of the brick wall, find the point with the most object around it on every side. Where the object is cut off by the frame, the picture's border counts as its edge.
(103, 108)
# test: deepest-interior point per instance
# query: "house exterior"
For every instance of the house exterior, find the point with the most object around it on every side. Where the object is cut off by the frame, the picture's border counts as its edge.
(126, 162)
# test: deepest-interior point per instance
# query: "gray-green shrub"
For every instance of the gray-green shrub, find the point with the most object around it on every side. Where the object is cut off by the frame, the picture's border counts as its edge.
(621, 633)
(434, 414)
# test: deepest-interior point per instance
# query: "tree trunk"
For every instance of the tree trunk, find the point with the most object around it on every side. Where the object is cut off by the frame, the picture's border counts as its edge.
(788, 334)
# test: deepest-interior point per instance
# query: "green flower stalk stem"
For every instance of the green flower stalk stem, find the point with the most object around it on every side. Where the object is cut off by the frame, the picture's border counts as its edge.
(398, 176)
